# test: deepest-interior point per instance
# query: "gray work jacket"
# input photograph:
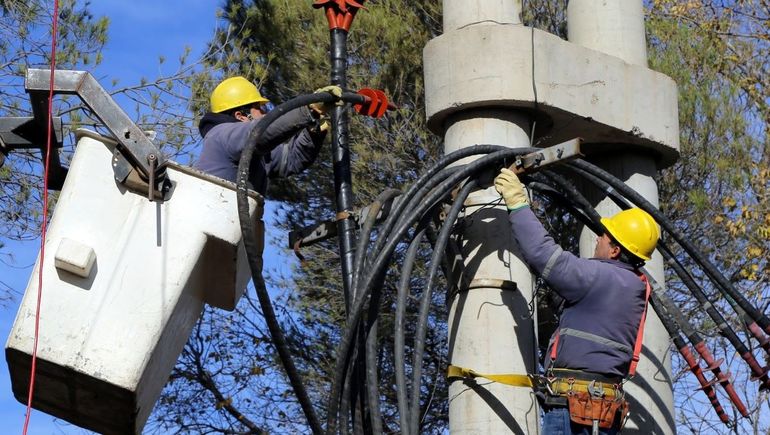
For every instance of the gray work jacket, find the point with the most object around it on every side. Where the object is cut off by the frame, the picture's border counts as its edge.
(224, 138)
(603, 301)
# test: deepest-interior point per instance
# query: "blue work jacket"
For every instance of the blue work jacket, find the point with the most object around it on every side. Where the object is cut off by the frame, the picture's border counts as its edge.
(603, 301)
(224, 138)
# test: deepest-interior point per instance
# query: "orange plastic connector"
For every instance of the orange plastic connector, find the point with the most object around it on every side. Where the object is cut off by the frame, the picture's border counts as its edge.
(375, 103)
(339, 13)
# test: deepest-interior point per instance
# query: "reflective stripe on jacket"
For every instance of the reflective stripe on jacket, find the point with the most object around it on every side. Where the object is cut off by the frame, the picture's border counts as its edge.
(603, 301)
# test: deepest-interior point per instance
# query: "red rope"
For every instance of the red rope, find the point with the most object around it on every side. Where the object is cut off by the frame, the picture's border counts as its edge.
(54, 31)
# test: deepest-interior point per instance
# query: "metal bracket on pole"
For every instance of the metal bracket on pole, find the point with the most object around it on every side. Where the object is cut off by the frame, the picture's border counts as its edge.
(325, 230)
(533, 162)
(136, 150)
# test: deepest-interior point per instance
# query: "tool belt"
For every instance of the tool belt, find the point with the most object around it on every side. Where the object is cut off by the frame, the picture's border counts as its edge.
(598, 402)
(592, 400)
(601, 412)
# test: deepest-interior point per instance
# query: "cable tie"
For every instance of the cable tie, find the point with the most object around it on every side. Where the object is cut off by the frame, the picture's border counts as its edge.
(297, 247)
(344, 214)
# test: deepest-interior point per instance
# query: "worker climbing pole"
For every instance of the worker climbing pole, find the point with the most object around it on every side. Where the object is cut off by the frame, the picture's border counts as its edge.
(418, 206)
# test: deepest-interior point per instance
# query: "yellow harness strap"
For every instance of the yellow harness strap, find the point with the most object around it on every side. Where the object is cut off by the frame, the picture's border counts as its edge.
(507, 379)
(556, 386)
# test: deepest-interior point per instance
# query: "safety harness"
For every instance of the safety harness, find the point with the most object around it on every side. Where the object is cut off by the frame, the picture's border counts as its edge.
(592, 400)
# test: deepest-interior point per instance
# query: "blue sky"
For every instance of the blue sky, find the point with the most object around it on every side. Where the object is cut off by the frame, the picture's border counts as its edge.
(140, 31)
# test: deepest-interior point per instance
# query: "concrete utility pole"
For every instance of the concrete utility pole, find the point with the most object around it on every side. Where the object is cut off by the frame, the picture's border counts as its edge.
(490, 328)
(491, 80)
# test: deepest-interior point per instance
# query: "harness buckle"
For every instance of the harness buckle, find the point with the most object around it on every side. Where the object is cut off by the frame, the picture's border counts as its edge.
(571, 383)
(543, 383)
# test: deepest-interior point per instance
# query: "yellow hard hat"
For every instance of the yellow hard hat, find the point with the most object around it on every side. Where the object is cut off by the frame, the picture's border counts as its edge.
(635, 230)
(235, 92)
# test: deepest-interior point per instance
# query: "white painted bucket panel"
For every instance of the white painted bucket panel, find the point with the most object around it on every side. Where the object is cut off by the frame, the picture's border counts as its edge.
(111, 331)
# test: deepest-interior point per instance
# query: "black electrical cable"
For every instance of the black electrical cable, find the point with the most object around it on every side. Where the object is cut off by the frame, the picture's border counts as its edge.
(724, 328)
(372, 384)
(364, 237)
(588, 216)
(343, 184)
(673, 331)
(252, 251)
(361, 423)
(345, 402)
(366, 229)
(574, 194)
(421, 329)
(399, 342)
(667, 305)
(439, 166)
(370, 331)
(371, 340)
(383, 255)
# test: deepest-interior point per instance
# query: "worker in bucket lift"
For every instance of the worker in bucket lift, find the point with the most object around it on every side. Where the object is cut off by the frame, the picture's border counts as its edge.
(236, 107)
(597, 344)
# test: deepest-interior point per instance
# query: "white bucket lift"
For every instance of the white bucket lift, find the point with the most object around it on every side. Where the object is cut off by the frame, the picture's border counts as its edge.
(124, 282)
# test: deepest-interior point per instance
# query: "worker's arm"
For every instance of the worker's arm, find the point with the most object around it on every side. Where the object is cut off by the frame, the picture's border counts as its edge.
(295, 155)
(299, 152)
(231, 137)
(570, 276)
(567, 274)
(286, 126)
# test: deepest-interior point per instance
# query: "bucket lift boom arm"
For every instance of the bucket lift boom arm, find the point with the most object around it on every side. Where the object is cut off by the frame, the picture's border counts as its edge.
(135, 151)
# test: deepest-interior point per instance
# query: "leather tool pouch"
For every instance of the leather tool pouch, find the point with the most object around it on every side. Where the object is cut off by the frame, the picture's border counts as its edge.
(584, 409)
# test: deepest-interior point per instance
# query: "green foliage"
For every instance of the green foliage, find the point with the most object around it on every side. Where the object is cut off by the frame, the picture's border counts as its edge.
(24, 43)
(717, 193)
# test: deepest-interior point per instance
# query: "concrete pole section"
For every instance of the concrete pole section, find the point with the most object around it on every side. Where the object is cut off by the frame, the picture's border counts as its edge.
(614, 27)
(486, 79)
(617, 28)
(490, 327)
(457, 15)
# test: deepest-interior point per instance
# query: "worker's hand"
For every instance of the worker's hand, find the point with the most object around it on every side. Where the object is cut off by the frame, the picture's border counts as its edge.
(511, 189)
(321, 109)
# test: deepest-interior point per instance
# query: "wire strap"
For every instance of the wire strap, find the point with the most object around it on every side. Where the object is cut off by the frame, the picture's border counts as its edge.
(344, 214)
(513, 380)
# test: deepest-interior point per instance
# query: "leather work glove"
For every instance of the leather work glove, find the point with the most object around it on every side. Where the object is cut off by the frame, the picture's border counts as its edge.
(325, 126)
(321, 109)
(321, 127)
(511, 189)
